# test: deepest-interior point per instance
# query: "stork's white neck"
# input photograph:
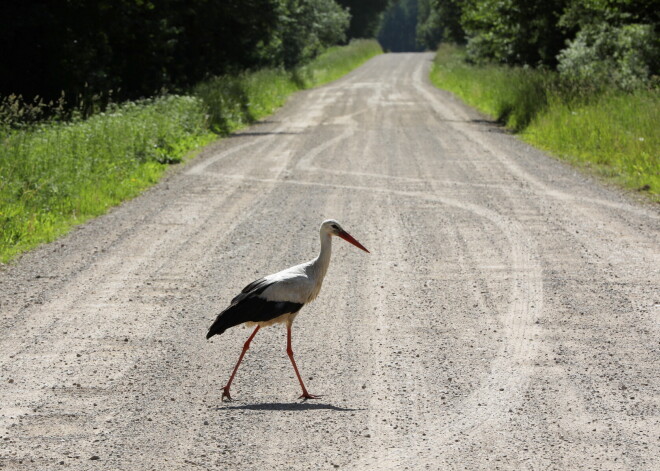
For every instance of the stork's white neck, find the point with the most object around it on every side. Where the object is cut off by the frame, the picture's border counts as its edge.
(322, 262)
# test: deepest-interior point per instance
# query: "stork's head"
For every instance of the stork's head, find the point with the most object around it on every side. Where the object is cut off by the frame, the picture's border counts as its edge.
(332, 227)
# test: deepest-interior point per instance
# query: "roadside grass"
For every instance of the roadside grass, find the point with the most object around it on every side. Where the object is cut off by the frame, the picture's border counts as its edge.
(54, 175)
(234, 101)
(338, 61)
(613, 133)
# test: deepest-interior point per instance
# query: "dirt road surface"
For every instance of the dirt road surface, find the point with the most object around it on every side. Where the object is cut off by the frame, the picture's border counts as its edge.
(506, 318)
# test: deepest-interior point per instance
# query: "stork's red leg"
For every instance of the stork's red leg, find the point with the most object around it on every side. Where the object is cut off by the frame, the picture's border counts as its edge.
(225, 390)
(289, 352)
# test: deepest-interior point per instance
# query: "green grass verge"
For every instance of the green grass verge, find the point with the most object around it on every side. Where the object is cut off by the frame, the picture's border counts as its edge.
(60, 174)
(338, 61)
(612, 133)
(56, 175)
(237, 100)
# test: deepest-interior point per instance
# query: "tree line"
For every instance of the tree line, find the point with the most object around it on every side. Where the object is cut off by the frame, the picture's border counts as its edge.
(601, 41)
(100, 50)
(125, 49)
(606, 41)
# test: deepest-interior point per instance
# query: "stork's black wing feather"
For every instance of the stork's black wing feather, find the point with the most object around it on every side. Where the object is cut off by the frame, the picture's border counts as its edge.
(251, 309)
(256, 287)
(254, 284)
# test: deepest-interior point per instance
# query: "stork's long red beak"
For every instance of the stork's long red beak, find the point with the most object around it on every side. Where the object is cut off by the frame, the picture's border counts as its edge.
(349, 238)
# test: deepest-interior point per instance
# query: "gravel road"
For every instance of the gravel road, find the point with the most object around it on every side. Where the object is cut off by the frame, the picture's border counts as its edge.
(507, 317)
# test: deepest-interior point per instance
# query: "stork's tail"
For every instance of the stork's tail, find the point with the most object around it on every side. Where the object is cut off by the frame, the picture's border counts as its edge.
(230, 317)
(217, 328)
(250, 309)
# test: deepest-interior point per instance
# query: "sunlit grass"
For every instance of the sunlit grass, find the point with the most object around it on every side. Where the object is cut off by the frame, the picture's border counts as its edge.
(236, 100)
(337, 61)
(233, 101)
(60, 174)
(615, 134)
(611, 132)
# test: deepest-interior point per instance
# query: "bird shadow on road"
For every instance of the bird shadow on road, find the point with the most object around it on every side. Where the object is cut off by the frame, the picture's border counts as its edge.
(289, 406)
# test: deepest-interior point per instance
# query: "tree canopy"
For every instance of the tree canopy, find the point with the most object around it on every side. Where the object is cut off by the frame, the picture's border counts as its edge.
(138, 47)
(134, 48)
(603, 40)
(525, 31)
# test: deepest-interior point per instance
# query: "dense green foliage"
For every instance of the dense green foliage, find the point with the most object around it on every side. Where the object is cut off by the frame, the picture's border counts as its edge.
(603, 42)
(136, 48)
(54, 175)
(622, 56)
(514, 31)
(612, 131)
(307, 28)
(439, 21)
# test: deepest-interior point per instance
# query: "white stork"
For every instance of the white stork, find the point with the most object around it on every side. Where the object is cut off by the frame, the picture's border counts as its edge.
(278, 298)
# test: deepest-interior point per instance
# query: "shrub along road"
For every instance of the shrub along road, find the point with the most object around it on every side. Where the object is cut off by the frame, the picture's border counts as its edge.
(506, 317)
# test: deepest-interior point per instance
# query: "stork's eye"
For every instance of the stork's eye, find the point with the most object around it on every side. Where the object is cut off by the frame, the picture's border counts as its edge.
(334, 226)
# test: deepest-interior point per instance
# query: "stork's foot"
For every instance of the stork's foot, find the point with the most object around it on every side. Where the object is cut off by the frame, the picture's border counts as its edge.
(226, 395)
(305, 395)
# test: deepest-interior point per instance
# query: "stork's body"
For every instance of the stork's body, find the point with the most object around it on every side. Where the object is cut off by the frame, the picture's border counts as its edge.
(278, 298)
